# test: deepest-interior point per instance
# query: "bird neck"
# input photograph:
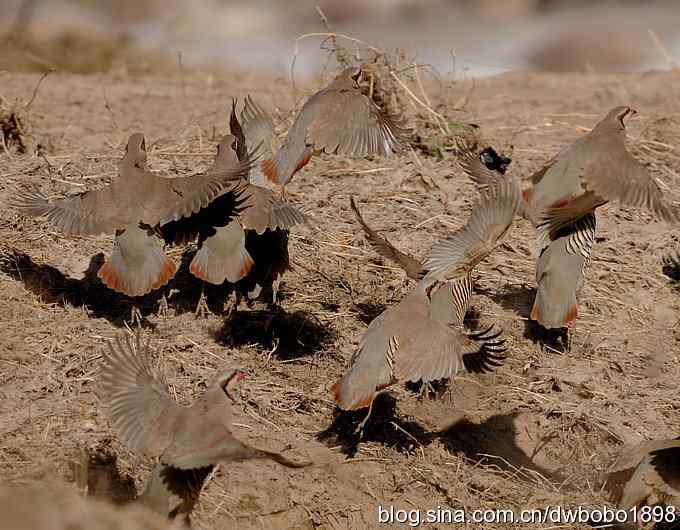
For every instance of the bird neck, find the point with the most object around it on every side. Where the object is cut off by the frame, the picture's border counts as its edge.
(610, 129)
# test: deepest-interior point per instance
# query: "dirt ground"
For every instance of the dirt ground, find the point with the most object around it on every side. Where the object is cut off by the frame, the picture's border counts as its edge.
(540, 431)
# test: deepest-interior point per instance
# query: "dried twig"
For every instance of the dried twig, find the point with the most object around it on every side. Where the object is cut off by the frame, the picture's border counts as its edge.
(35, 90)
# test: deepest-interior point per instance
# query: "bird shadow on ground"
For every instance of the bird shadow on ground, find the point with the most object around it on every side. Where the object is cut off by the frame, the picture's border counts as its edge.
(556, 340)
(53, 287)
(368, 311)
(383, 427)
(519, 299)
(216, 296)
(515, 298)
(671, 269)
(287, 335)
(493, 442)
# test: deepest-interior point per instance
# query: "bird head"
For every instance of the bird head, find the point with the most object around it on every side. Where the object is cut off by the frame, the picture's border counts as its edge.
(617, 116)
(227, 379)
(135, 151)
(227, 149)
(352, 72)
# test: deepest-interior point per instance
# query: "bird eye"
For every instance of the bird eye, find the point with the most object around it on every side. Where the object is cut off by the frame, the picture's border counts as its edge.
(234, 145)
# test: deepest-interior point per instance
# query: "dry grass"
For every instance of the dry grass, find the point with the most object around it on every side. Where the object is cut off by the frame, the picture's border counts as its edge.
(540, 431)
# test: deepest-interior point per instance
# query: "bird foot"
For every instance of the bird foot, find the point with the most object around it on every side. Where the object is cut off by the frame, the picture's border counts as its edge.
(136, 316)
(202, 309)
(275, 346)
(360, 428)
(163, 307)
(426, 390)
(231, 306)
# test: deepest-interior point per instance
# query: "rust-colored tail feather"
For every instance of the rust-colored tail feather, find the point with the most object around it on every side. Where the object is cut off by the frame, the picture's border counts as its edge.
(335, 390)
(120, 280)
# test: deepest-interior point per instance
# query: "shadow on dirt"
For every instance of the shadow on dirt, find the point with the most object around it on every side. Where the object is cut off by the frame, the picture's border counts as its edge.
(53, 287)
(181, 295)
(515, 298)
(287, 335)
(671, 268)
(368, 311)
(493, 442)
(383, 427)
(558, 340)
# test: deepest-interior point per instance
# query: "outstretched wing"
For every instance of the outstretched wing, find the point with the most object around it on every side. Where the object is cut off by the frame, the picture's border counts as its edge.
(135, 396)
(88, 213)
(438, 351)
(382, 246)
(489, 223)
(614, 176)
(258, 128)
(263, 210)
(203, 224)
(171, 199)
(349, 123)
(624, 178)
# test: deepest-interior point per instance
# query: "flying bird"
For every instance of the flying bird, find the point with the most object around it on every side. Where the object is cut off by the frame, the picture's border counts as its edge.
(250, 246)
(185, 442)
(339, 119)
(131, 207)
(421, 337)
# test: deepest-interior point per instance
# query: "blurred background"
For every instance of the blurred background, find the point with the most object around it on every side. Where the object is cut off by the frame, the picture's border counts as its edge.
(463, 38)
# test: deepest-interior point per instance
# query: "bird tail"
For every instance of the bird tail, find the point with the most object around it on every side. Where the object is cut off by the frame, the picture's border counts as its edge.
(348, 400)
(560, 272)
(223, 256)
(137, 264)
(279, 169)
(551, 311)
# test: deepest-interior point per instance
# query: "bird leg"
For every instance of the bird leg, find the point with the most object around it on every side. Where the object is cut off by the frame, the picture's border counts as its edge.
(231, 305)
(360, 428)
(230, 310)
(426, 389)
(135, 316)
(202, 309)
(276, 282)
(568, 337)
(163, 307)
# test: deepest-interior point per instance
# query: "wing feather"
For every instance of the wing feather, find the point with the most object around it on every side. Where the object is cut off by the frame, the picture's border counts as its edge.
(489, 223)
(382, 246)
(134, 394)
